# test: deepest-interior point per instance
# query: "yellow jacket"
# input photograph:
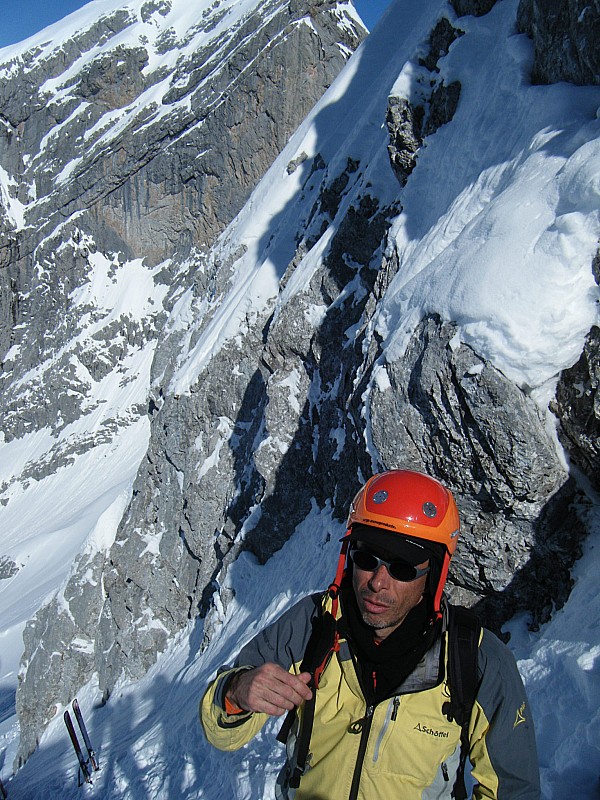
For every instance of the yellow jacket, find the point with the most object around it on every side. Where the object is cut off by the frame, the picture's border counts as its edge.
(404, 747)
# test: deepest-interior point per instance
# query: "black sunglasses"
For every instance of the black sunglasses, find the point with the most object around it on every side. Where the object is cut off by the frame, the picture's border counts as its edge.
(398, 569)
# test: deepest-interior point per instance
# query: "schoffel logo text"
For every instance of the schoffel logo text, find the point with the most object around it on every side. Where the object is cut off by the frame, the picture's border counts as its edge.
(431, 731)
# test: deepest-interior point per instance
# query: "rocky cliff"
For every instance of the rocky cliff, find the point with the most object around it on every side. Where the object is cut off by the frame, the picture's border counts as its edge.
(258, 360)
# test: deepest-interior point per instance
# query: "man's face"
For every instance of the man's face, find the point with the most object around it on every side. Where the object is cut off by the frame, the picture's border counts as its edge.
(383, 601)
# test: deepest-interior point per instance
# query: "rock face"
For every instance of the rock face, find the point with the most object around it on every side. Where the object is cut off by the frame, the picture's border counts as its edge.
(145, 175)
(458, 416)
(578, 404)
(299, 404)
(565, 36)
(112, 130)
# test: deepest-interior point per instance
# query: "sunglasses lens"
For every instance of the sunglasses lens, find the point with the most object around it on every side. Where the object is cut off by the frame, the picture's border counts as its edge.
(365, 560)
(401, 571)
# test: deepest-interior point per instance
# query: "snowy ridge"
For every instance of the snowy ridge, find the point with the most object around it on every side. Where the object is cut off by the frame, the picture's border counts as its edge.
(98, 420)
(282, 195)
(83, 403)
(453, 245)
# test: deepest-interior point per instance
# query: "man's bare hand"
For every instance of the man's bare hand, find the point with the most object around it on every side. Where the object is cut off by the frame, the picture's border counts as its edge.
(269, 689)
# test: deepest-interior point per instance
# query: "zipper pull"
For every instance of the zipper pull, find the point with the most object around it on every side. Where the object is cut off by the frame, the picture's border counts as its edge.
(444, 769)
(356, 727)
(395, 709)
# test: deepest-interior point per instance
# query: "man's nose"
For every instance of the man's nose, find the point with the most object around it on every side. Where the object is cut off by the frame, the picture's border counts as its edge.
(380, 578)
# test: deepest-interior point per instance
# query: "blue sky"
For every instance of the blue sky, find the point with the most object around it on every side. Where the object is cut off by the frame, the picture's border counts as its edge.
(26, 17)
(371, 10)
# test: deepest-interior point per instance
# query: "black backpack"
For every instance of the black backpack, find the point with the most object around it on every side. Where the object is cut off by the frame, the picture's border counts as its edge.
(464, 629)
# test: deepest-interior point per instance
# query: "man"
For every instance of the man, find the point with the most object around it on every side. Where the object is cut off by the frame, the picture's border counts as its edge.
(384, 720)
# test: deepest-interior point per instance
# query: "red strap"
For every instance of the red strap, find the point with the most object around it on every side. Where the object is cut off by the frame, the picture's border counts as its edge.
(341, 566)
(334, 589)
(320, 670)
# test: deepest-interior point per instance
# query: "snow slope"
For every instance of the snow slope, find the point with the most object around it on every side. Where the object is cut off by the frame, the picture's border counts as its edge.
(69, 488)
(499, 228)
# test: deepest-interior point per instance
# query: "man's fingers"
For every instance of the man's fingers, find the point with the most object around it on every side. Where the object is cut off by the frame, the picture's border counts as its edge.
(269, 689)
(274, 688)
(297, 683)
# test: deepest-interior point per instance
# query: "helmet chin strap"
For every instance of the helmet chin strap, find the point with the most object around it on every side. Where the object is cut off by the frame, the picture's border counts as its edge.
(437, 598)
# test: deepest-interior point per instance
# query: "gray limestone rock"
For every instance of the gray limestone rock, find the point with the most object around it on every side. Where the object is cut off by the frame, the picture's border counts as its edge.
(565, 35)
(578, 408)
(405, 126)
(8, 568)
(410, 120)
(440, 40)
(577, 404)
(59, 642)
(475, 7)
(446, 411)
(260, 429)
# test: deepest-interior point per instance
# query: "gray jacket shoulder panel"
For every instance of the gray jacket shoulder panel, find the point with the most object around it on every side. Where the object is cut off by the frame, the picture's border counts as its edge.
(499, 675)
(284, 641)
(510, 739)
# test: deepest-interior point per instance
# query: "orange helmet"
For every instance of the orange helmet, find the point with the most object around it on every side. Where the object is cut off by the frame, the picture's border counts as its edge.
(414, 505)
(409, 503)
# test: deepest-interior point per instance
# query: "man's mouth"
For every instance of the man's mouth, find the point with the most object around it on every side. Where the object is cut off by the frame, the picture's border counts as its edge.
(374, 606)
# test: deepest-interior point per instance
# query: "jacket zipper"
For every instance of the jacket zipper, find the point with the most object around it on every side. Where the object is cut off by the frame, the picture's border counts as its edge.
(367, 721)
(390, 716)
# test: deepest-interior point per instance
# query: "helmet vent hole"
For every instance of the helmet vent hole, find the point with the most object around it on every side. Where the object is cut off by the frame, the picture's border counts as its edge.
(429, 510)
(380, 497)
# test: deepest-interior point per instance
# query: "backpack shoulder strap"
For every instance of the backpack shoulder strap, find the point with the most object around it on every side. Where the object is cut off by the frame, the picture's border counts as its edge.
(464, 630)
(320, 647)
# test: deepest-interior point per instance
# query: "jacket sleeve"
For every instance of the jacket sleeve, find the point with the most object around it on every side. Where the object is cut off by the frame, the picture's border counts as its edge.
(283, 643)
(503, 751)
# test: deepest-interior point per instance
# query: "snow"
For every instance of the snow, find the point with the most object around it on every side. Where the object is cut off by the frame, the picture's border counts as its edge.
(13, 207)
(292, 382)
(561, 670)
(90, 464)
(499, 227)
(535, 186)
